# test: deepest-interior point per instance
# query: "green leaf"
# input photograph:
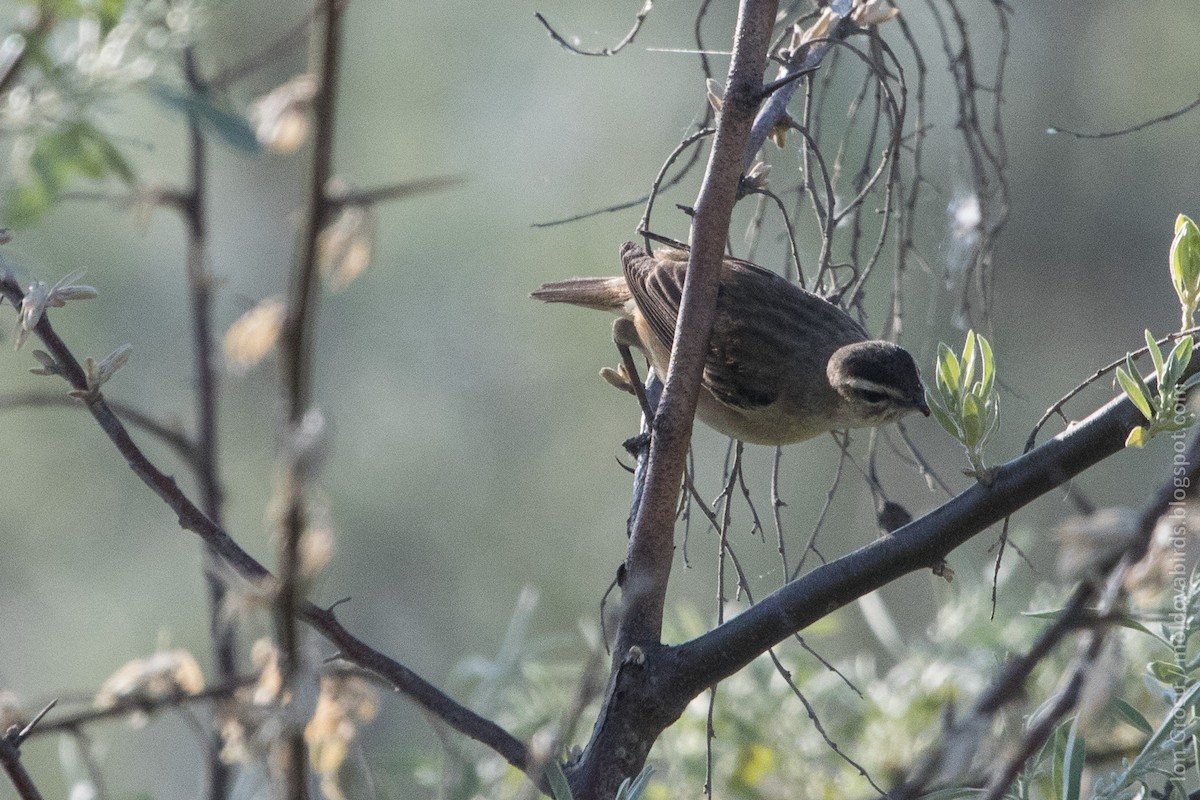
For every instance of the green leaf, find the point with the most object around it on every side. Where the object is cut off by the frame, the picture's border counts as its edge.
(993, 414)
(1185, 257)
(1133, 391)
(230, 126)
(559, 788)
(1155, 353)
(948, 371)
(1176, 364)
(989, 369)
(944, 418)
(953, 794)
(1167, 673)
(968, 364)
(110, 12)
(632, 789)
(25, 205)
(76, 150)
(972, 421)
(1074, 755)
(1132, 716)
(1138, 437)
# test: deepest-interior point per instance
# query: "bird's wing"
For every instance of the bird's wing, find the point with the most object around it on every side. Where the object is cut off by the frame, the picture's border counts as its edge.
(657, 288)
(761, 329)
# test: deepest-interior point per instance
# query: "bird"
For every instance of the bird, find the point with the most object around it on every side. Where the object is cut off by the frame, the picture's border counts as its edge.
(784, 364)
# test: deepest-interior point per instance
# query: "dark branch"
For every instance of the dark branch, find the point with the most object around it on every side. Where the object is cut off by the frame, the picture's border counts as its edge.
(921, 544)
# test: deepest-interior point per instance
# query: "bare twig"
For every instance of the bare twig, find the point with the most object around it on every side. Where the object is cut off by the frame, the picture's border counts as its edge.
(169, 435)
(606, 51)
(296, 351)
(1107, 368)
(268, 55)
(141, 705)
(396, 191)
(1054, 129)
(190, 517)
(191, 207)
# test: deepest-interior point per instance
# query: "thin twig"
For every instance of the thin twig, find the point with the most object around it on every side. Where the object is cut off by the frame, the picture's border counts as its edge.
(268, 55)
(127, 706)
(200, 284)
(395, 191)
(638, 20)
(169, 435)
(191, 518)
(296, 349)
(1107, 368)
(1055, 129)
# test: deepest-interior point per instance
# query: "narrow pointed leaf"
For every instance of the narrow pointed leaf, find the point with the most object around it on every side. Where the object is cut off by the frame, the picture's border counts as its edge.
(1134, 392)
(968, 363)
(988, 375)
(1155, 353)
(1177, 364)
(946, 421)
(972, 422)
(948, 372)
(1074, 755)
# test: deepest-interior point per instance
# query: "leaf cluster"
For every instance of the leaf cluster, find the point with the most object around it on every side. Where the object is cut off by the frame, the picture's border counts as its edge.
(968, 408)
(1163, 409)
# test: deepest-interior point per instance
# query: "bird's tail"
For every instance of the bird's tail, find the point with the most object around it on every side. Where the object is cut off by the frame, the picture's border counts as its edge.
(602, 294)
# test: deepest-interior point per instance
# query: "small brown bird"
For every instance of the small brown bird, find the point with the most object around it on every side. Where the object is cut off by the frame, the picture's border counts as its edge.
(783, 365)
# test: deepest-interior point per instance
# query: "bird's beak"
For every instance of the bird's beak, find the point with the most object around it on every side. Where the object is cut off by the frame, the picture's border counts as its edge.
(922, 406)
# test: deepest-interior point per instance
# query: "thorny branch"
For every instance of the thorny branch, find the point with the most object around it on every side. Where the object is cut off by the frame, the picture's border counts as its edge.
(296, 356)
(190, 517)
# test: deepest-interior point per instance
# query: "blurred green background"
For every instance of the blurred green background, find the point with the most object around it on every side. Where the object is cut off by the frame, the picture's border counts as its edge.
(475, 450)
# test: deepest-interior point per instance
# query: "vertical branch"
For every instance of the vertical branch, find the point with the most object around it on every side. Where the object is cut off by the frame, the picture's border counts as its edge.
(651, 543)
(10, 762)
(200, 283)
(297, 354)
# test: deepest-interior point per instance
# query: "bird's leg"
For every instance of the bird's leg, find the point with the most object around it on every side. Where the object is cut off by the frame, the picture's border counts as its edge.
(625, 337)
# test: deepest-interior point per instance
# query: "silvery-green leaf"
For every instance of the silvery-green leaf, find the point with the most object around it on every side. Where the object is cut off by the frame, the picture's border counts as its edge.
(1155, 353)
(989, 375)
(968, 364)
(1185, 257)
(1134, 392)
(1176, 364)
(945, 419)
(947, 370)
(559, 788)
(992, 412)
(972, 422)
(1074, 756)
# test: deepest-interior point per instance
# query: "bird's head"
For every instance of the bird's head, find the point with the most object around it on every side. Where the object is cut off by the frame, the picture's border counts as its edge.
(879, 382)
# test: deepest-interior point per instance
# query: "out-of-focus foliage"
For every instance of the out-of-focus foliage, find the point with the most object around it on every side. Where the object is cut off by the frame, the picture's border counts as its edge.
(59, 73)
(1136, 725)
